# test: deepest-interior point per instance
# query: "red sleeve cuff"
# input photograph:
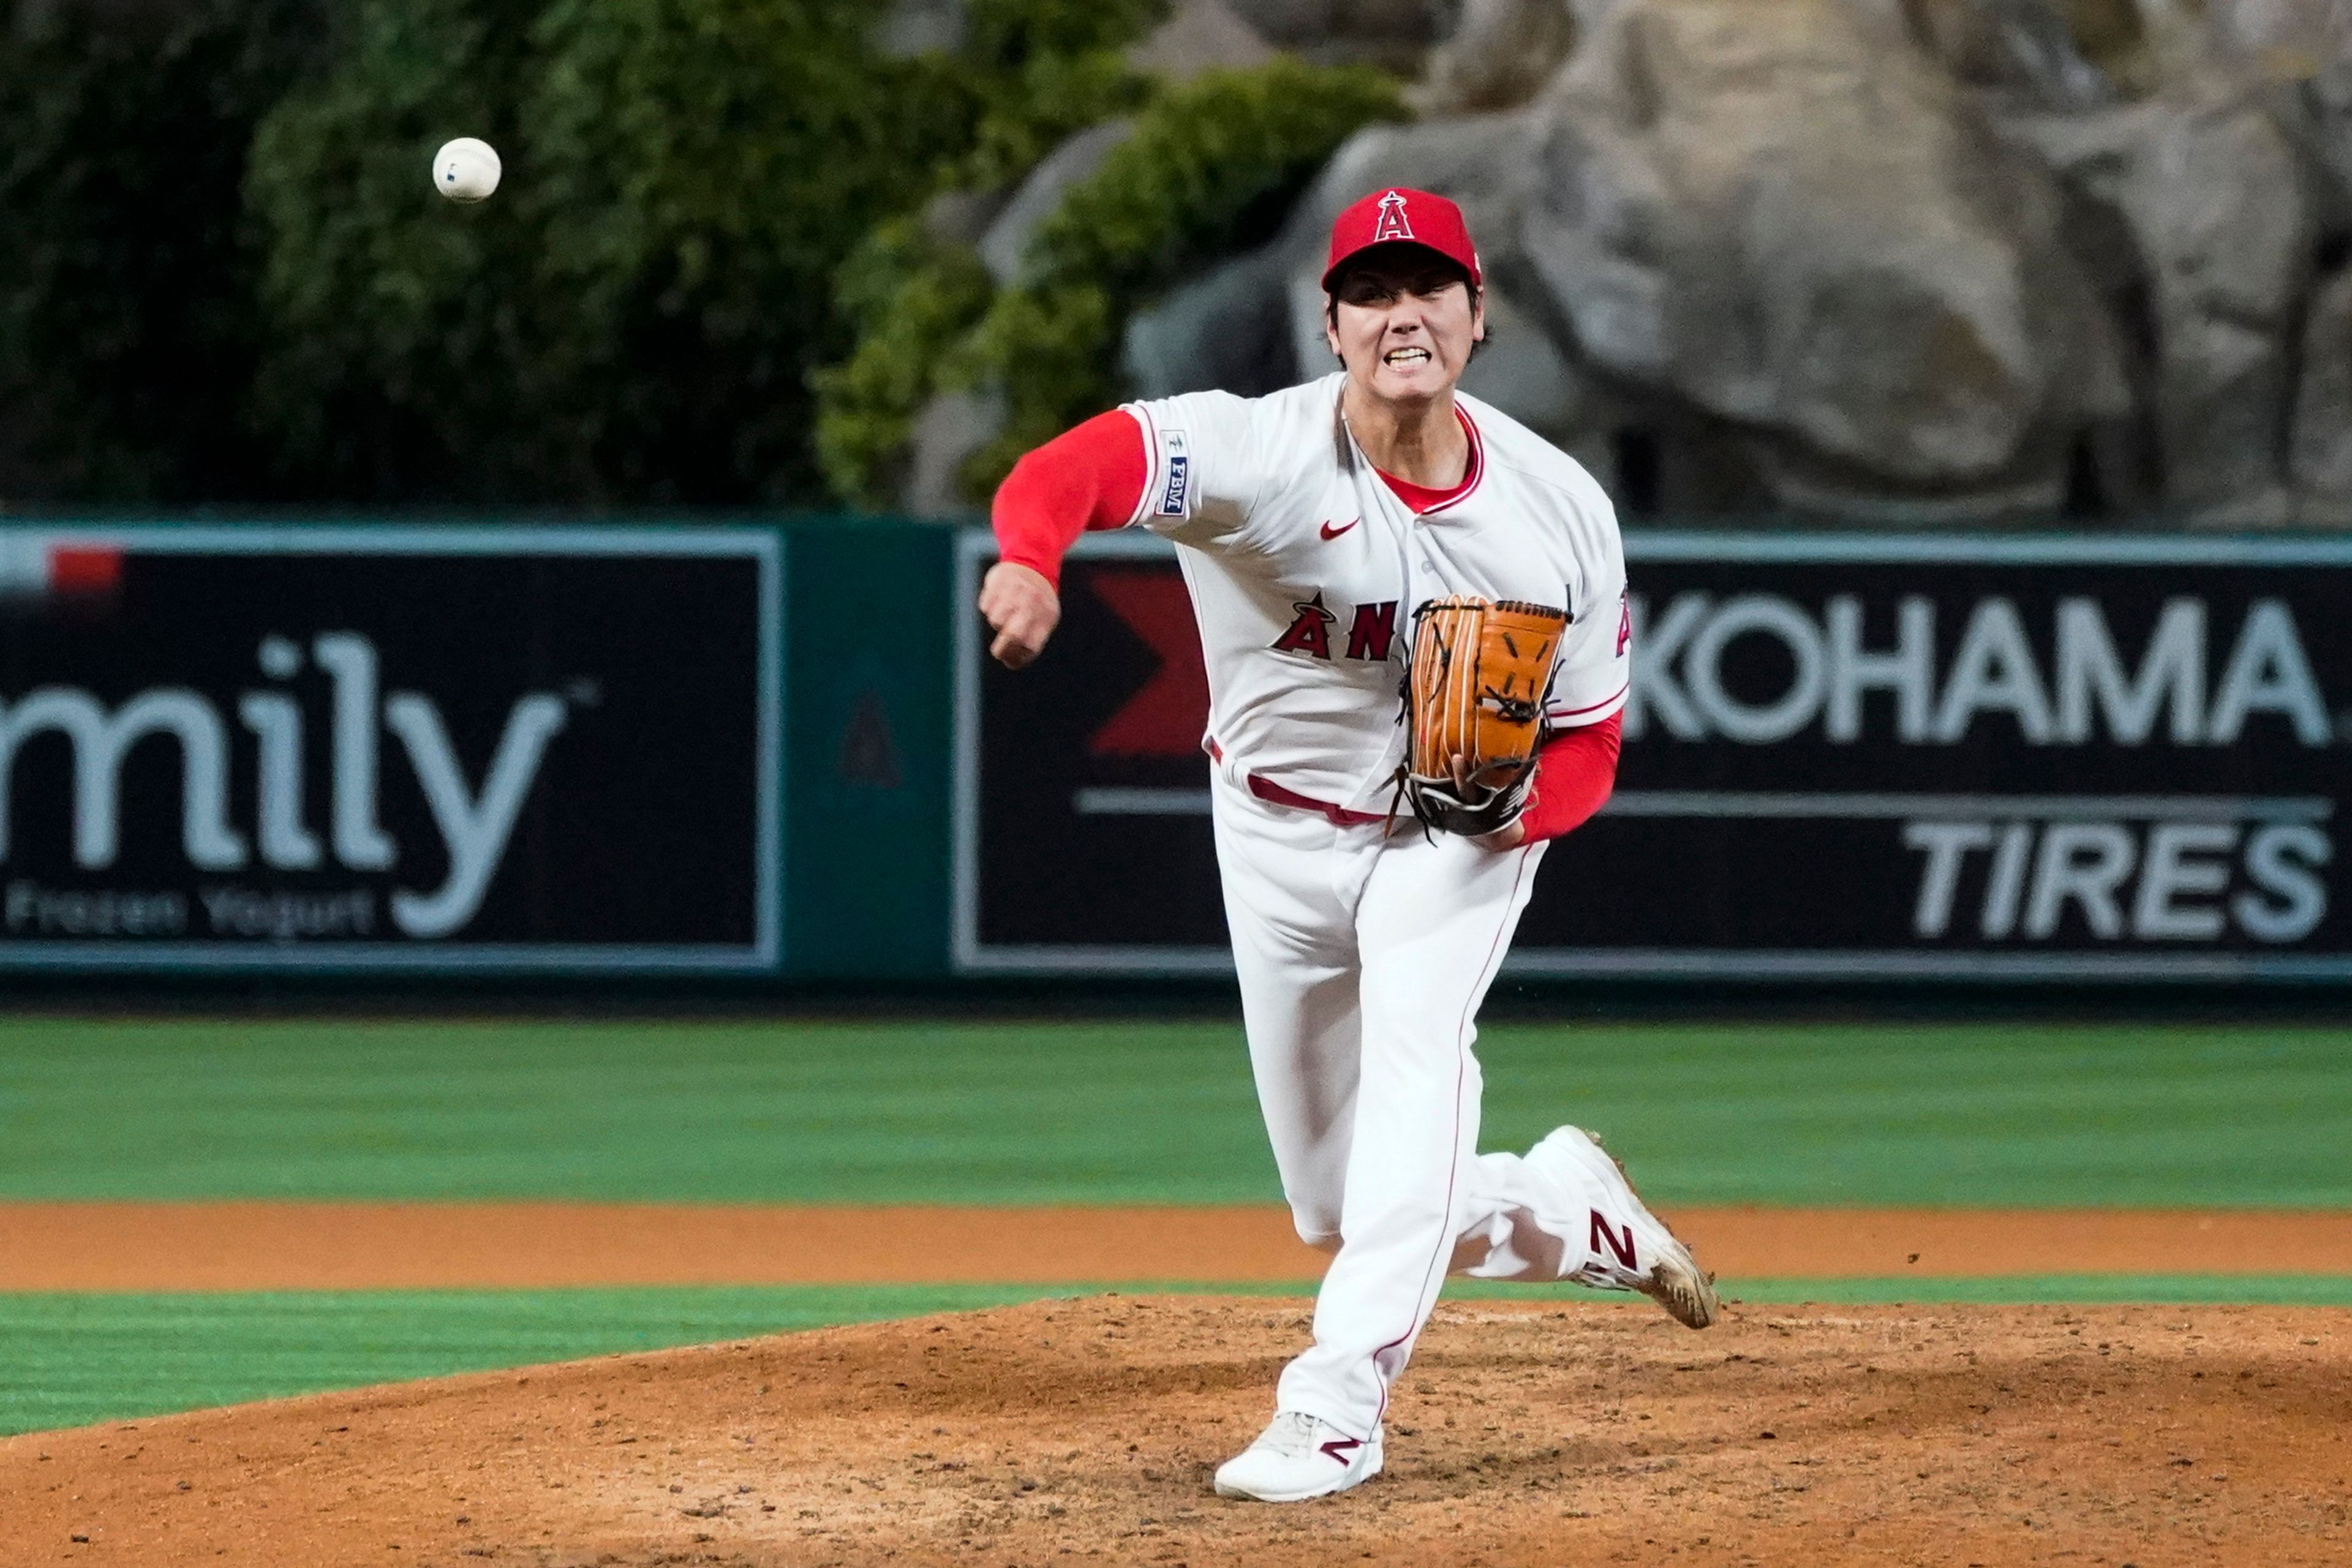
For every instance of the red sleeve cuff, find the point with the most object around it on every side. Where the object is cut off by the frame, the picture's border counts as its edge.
(1574, 773)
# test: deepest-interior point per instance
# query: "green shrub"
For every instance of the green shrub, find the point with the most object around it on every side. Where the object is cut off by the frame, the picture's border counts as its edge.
(1028, 111)
(910, 299)
(1036, 73)
(1043, 70)
(634, 317)
(1006, 34)
(1212, 167)
(403, 327)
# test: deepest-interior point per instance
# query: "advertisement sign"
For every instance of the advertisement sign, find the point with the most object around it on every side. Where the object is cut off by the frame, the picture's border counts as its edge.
(2021, 757)
(389, 747)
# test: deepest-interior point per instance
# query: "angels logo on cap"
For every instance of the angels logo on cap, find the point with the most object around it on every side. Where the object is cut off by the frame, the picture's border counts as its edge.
(1402, 216)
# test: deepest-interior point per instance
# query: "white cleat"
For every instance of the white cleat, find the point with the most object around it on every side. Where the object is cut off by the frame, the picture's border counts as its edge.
(1636, 1252)
(1297, 1458)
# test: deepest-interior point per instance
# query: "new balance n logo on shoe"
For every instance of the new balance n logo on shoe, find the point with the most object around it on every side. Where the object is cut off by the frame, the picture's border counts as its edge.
(1603, 1235)
(1340, 1449)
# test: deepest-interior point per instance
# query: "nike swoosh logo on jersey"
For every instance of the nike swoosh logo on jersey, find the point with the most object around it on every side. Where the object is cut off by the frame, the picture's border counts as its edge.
(1331, 532)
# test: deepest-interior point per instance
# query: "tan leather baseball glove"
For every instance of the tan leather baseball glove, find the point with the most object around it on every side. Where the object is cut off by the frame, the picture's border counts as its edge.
(1476, 684)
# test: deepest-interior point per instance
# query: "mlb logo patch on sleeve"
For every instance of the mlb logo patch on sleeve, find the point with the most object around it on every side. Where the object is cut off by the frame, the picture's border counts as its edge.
(1176, 462)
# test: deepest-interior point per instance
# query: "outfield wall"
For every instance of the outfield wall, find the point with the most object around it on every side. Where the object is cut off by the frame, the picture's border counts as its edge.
(767, 753)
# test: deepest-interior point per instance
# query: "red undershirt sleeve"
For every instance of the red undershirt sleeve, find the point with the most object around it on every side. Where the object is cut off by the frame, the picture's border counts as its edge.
(1574, 773)
(1088, 477)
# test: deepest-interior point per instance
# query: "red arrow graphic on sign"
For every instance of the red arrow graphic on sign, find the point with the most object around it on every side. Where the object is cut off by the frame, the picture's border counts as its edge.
(1166, 716)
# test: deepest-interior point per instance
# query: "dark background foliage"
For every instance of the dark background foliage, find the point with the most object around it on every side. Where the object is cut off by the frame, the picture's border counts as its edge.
(129, 334)
(224, 276)
(632, 319)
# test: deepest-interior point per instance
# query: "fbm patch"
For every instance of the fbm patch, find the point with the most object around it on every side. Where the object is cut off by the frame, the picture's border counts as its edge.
(1180, 474)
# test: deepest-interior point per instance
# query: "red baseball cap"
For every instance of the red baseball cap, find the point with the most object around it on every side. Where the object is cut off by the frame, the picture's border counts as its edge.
(1403, 217)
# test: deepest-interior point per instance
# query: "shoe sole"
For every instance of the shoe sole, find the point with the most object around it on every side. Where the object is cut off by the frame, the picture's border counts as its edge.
(1308, 1496)
(1675, 1282)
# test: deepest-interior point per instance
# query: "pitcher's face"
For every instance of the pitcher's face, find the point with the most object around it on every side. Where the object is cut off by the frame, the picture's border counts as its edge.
(1404, 325)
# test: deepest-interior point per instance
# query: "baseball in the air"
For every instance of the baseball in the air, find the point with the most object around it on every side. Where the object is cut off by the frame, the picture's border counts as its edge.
(465, 170)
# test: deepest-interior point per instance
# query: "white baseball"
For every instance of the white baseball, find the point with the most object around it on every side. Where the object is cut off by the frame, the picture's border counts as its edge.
(465, 170)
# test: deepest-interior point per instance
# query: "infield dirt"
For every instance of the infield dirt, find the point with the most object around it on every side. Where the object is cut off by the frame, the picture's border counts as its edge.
(1086, 1431)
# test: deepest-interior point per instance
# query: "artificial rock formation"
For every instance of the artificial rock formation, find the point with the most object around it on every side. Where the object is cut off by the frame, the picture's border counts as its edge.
(2321, 457)
(1929, 260)
(1793, 224)
(2210, 196)
(1910, 261)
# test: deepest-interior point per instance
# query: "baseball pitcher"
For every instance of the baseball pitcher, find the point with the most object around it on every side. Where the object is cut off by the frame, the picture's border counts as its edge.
(1413, 614)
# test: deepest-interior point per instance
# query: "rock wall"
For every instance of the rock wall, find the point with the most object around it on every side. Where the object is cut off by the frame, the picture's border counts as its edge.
(1906, 260)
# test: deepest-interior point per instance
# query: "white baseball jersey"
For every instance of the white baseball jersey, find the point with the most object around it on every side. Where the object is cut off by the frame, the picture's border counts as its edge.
(1363, 955)
(1305, 569)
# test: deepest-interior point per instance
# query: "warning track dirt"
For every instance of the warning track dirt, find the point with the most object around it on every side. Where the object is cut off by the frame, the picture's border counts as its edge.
(328, 1245)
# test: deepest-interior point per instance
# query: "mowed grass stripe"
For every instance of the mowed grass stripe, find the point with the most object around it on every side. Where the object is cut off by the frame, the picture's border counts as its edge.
(69, 1359)
(1052, 1112)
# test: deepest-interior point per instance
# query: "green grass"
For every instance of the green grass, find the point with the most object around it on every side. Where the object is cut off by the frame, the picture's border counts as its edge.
(69, 1359)
(1138, 1112)
(1047, 1112)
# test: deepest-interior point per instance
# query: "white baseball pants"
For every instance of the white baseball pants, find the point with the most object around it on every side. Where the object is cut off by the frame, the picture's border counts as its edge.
(1363, 958)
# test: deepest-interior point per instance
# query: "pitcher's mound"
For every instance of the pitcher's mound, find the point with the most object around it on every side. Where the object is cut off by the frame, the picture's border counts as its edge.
(1086, 1431)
